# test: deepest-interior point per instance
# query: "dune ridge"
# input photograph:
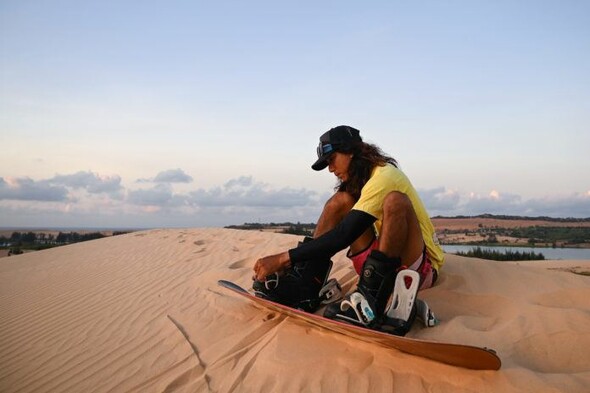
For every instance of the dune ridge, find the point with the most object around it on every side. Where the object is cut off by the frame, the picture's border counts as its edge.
(142, 312)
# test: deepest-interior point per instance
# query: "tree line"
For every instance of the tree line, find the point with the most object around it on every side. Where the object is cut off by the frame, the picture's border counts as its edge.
(303, 229)
(18, 241)
(496, 255)
(548, 236)
(524, 218)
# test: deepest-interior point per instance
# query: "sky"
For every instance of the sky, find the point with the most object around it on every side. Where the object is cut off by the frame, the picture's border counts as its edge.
(142, 114)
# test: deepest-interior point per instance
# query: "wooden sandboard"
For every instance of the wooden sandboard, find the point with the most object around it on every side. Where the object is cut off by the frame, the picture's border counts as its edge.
(476, 358)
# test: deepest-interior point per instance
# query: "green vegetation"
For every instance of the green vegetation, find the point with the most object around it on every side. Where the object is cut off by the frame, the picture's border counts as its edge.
(552, 235)
(569, 232)
(572, 235)
(285, 227)
(508, 255)
(569, 220)
(543, 236)
(32, 241)
(299, 229)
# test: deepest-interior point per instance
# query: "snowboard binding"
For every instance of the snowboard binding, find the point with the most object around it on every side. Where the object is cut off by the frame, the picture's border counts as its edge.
(369, 305)
(304, 285)
(400, 315)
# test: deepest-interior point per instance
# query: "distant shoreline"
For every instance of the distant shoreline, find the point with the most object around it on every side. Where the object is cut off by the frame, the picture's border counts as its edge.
(482, 230)
(518, 218)
(70, 229)
(509, 231)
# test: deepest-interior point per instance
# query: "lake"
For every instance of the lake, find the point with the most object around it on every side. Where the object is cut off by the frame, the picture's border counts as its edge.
(549, 253)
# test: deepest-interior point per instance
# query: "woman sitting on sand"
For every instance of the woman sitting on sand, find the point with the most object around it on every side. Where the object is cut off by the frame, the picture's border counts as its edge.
(376, 212)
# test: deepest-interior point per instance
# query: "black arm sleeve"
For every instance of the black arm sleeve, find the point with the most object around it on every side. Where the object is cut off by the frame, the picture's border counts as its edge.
(351, 227)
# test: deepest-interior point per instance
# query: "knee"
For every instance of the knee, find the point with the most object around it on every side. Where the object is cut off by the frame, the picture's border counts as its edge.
(339, 202)
(397, 203)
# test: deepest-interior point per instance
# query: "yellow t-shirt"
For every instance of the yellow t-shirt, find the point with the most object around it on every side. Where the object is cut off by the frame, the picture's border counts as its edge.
(388, 178)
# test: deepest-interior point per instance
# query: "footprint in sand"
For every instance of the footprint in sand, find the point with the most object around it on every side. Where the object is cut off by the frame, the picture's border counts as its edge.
(254, 241)
(451, 281)
(477, 323)
(269, 316)
(564, 299)
(242, 263)
(556, 353)
(199, 242)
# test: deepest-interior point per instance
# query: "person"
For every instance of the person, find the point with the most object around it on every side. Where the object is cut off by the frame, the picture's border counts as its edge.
(377, 213)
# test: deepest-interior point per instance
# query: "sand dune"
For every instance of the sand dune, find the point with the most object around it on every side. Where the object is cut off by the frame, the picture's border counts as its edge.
(142, 312)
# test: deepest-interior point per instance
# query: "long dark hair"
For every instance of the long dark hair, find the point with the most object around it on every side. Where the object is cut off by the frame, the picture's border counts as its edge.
(365, 157)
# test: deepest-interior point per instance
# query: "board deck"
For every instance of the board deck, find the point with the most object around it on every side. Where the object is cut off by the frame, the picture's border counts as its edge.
(466, 356)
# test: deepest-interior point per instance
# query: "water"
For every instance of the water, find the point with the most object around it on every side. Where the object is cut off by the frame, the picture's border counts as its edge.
(549, 253)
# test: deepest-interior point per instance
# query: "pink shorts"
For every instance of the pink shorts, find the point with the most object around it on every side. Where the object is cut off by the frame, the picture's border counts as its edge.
(422, 265)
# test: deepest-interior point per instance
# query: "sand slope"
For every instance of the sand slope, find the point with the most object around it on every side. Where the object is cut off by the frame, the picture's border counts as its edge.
(142, 312)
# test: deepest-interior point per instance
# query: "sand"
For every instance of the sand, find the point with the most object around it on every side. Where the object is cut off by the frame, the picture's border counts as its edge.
(142, 313)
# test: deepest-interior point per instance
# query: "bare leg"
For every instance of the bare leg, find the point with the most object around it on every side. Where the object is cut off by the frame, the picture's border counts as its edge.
(401, 238)
(400, 235)
(335, 209)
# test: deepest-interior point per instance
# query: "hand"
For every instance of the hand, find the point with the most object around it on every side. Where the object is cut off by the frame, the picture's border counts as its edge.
(271, 264)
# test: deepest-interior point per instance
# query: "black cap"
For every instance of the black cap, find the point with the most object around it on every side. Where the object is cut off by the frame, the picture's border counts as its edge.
(336, 139)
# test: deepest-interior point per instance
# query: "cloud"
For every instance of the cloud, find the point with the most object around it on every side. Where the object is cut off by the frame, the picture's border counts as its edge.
(173, 176)
(58, 188)
(442, 201)
(89, 199)
(26, 189)
(169, 176)
(575, 205)
(496, 202)
(243, 191)
(160, 195)
(239, 200)
(242, 181)
(91, 182)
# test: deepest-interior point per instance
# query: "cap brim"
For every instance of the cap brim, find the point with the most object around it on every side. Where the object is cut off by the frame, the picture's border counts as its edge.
(321, 163)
